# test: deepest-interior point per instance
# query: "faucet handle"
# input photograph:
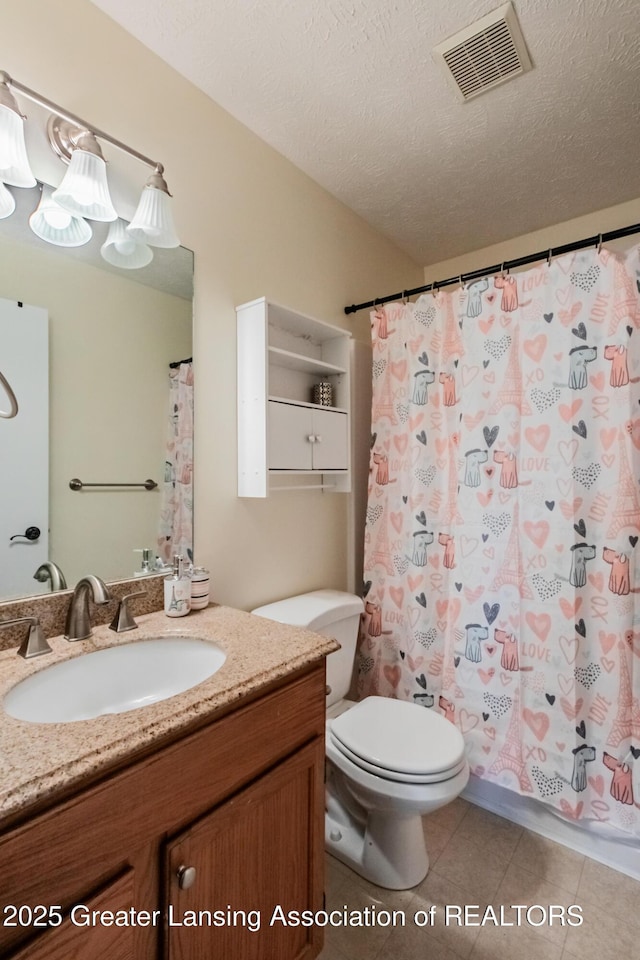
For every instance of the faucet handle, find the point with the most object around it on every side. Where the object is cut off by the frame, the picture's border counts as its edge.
(34, 644)
(123, 619)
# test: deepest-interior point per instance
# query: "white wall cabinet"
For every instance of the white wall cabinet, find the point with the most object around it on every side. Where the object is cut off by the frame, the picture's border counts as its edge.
(281, 356)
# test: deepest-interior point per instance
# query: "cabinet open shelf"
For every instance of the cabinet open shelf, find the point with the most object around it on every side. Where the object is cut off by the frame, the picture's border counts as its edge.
(296, 361)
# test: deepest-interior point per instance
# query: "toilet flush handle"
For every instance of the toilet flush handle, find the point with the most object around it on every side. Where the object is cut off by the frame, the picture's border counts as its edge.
(186, 876)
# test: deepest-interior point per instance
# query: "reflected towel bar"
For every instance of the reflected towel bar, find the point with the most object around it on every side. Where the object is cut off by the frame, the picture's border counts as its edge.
(76, 484)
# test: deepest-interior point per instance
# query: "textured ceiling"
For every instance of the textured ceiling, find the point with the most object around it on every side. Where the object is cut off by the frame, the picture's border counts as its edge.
(348, 91)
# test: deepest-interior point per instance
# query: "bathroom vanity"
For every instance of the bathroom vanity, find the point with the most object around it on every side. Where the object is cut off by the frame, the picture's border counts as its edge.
(189, 822)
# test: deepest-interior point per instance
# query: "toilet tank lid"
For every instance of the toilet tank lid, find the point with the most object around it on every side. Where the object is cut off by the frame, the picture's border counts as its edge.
(313, 610)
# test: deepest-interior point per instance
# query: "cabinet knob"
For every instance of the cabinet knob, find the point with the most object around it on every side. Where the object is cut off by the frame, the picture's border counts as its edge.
(318, 438)
(186, 877)
(311, 438)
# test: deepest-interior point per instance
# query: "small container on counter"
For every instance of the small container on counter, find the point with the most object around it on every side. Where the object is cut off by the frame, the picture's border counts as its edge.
(199, 588)
(177, 590)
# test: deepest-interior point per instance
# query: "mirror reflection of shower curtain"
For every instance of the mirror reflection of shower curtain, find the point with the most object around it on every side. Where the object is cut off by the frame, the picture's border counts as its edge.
(176, 514)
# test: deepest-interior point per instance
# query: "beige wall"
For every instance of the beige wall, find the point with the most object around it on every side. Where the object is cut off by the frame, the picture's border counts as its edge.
(110, 342)
(601, 221)
(258, 227)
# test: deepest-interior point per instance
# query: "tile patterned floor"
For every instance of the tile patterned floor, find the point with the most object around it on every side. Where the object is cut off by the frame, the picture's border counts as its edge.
(480, 859)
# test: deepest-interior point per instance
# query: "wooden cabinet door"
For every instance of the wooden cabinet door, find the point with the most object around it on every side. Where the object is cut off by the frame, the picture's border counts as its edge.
(260, 850)
(93, 941)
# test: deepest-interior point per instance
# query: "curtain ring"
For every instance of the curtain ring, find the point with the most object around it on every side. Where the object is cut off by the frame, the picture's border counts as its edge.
(404, 298)
(463, 285)
(599, 249)
(434, 289)
(549, 257)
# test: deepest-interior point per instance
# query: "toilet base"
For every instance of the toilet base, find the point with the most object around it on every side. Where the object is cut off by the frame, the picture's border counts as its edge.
(387, 851)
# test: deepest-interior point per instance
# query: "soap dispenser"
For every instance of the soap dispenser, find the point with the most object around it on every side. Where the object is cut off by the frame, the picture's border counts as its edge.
(177, 590)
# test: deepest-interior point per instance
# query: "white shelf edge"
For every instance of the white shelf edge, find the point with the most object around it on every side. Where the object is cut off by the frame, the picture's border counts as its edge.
(285, 358)
(278, 472)
(305, 486)
(329, 328)
(303, 403)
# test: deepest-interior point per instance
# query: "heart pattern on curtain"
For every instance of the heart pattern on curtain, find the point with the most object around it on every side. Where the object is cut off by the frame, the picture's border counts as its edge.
(503, 522)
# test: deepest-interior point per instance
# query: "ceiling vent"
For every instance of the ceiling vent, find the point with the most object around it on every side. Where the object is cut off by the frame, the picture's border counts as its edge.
(490, 51)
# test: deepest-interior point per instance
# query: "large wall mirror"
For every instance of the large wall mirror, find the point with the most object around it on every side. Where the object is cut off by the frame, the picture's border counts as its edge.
(111, 335)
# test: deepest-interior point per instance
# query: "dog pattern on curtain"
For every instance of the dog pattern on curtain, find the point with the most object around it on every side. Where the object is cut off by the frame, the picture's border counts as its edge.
(503, 523)
(176, 512)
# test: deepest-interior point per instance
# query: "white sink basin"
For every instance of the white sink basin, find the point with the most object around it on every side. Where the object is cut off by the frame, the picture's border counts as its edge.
(120, 678)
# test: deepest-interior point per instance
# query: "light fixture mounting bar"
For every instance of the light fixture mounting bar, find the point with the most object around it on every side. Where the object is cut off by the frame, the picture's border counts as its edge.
(76, 121)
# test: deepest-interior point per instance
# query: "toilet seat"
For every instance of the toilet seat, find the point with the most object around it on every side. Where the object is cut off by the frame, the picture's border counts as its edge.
(398, 741)
(394, 775)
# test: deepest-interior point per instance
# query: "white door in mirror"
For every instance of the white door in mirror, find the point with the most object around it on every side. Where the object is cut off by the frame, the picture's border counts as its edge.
(121, 678)
(24, 478)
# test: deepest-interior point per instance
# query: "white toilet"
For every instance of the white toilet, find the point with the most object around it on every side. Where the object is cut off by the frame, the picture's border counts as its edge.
(390, 761)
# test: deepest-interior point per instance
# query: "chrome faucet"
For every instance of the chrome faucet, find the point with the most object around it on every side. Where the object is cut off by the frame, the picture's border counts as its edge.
(78, 625)
(51, 571)
(34, 644)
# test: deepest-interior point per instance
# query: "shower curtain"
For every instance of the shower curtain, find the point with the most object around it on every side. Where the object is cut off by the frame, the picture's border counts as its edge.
(176, 512)
(503, 523)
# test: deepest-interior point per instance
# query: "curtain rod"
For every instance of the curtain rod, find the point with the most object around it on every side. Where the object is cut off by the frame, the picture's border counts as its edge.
(498, 267)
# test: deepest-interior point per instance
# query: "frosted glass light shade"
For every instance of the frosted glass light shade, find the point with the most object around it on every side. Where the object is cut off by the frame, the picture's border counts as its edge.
(122, 249)
(14, 163)
(55, 225)
(7, 202)
(153, 220)
(84, 191)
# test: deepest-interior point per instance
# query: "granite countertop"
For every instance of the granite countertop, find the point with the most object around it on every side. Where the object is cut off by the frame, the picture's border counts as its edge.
(38, 761)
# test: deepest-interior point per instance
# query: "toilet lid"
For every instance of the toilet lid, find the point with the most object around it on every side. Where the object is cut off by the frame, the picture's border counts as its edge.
(399, 737)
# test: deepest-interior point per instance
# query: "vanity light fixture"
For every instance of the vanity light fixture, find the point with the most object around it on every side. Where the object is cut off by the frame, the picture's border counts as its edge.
(7, 202)
(14, 163)
(84, 192)
(53, 223)
(152, 221)
(123, 250)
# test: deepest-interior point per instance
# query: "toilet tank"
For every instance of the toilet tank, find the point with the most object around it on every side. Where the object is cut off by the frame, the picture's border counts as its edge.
(331, 613)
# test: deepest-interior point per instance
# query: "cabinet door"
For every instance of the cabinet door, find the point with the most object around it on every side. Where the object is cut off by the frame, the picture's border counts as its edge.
(290, 432)
(260, 851)
(307, 438)
(94, 941)
(331, 444)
